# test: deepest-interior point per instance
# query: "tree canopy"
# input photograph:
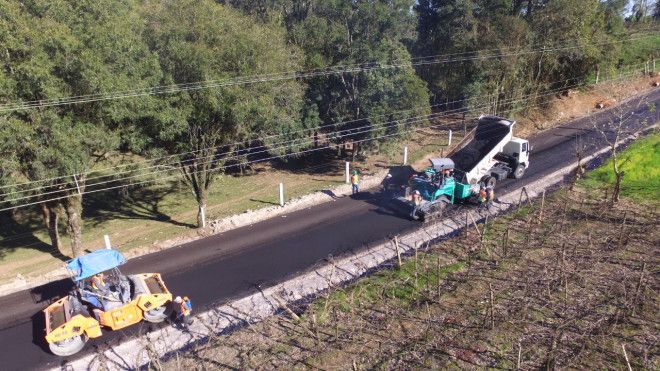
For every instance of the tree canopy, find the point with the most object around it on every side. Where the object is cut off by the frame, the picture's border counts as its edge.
(367, 53)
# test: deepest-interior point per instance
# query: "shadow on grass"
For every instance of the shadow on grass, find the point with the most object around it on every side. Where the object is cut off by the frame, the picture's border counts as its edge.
(265, 202)
(323, 162)
(14, 235)
(139, 204)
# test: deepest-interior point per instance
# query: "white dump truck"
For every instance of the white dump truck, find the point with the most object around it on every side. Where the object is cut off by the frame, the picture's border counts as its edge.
(488, 154)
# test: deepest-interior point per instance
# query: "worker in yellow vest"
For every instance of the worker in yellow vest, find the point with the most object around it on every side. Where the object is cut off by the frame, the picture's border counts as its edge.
(355, 181)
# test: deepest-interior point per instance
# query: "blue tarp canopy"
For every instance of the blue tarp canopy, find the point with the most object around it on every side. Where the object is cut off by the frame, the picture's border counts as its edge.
(94, 262)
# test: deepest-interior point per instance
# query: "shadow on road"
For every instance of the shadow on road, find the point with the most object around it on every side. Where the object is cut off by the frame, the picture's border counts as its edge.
(39, 331)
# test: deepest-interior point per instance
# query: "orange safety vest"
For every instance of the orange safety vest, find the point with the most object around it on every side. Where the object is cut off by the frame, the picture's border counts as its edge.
(98, 282)
(482, 195)
(184, 309)
(354, 179)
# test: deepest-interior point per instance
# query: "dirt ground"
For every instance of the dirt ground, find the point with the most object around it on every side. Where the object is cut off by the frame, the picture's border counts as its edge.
(567, 282)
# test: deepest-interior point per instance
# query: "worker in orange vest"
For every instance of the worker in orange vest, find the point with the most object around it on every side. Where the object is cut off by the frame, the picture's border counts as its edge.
(183, 309)
(98, 283)
(482, 195)
(355, 181)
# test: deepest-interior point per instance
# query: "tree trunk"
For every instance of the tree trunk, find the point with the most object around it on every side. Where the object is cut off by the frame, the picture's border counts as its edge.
(617, 186)
(45, 214)
(51, 220)
(201, 201)
(73, 209)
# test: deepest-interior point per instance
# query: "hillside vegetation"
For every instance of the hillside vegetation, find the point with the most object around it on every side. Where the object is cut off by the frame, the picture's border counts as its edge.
(120, 95)
(641, 164)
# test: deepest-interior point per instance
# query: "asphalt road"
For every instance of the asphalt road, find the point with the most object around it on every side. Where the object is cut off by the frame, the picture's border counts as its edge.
(229, 265)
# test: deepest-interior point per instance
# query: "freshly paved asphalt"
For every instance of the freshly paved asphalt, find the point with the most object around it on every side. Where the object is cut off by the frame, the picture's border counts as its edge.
(231, 264)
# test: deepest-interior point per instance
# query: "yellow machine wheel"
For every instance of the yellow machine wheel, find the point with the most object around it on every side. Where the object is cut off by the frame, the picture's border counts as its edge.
(156, 315)
(68, 346)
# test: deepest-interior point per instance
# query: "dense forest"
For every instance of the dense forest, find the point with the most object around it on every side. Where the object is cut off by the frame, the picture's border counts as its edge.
(210, 84)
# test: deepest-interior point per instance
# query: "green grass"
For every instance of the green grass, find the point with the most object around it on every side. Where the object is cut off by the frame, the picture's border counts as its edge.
(641, 163)
(638, 51)
(150, 214)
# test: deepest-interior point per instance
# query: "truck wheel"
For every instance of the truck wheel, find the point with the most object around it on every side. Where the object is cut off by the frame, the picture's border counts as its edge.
(490, 182)
(156, 315)
(519, 172)
(69, 346)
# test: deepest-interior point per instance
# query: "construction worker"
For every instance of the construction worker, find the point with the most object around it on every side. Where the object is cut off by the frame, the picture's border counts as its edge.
(98, 283)
(482, 195)
(386, 183)
(182, 310)
(490, 196)
(355, 181)
(417, 200)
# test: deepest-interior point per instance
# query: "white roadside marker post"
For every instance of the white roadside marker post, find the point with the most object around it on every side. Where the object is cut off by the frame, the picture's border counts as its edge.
(106, 238)
(281, 194)
(405, 155)
(202, 211)
(348, 169)
(449, 144)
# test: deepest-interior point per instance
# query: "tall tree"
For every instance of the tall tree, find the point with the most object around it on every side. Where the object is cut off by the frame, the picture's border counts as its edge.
(340, 33)
(73, 48)
(641, 9)
(570, 22)
(352, 33)
(204, 41)
(447, 27)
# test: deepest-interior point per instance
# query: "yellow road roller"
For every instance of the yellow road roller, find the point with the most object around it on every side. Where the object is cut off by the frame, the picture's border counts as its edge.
(103, 297)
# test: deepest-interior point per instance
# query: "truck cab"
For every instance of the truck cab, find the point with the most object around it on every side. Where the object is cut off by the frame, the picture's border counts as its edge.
(515, 157)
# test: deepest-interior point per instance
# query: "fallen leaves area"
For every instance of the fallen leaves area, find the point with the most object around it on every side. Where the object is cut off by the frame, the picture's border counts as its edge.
(569, 281)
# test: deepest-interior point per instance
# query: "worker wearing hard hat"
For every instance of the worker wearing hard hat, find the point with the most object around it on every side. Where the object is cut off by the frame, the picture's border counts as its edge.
(183, 309)
(417, 200)
(355, 181)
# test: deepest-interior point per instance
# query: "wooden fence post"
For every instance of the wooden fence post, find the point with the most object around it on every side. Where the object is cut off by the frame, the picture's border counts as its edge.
(398, 251)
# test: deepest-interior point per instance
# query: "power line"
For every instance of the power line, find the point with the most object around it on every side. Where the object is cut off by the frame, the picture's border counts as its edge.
(264, 149)
(420, 118)
(246, 151)
(349, 132)
(280, 76)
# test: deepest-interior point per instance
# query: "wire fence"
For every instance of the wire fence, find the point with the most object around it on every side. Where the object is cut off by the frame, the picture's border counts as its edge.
(333, 167)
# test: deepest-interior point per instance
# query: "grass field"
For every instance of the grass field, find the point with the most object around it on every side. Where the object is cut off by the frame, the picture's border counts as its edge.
(641, 163)
(146, 216)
